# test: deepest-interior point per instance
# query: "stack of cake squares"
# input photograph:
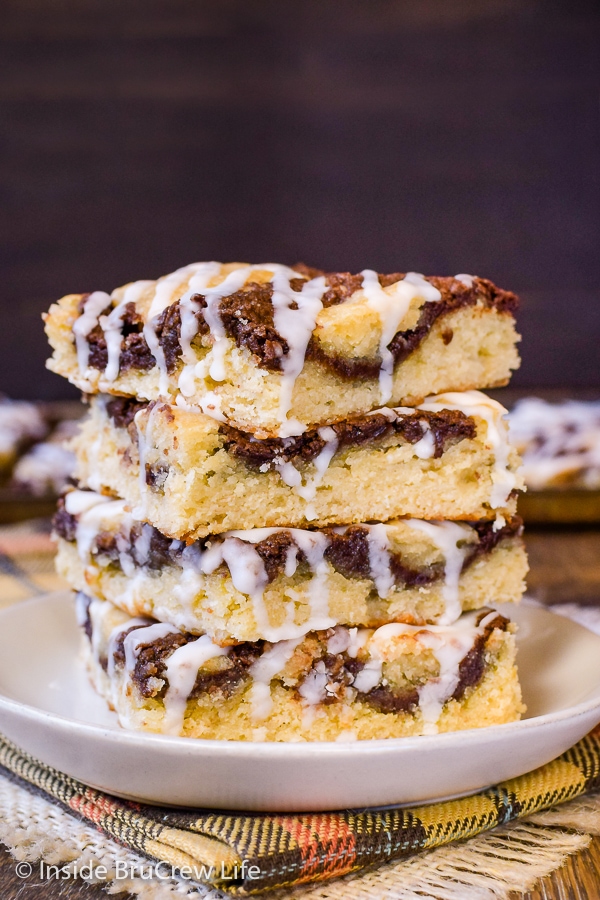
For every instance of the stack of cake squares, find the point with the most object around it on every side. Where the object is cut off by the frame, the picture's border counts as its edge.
(295, 512)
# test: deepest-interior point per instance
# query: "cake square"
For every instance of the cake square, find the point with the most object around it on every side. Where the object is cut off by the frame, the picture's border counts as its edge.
(335, 684)
(447, 459)
(275, 350)
(279, 583)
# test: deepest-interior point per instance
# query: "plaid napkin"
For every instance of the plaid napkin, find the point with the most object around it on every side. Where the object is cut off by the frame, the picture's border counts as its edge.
(246, 854)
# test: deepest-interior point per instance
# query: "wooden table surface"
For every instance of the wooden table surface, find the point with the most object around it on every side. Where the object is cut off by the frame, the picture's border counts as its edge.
(565, 567)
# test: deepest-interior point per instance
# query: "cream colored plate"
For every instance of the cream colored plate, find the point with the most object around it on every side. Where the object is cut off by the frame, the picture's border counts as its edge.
(49, 709)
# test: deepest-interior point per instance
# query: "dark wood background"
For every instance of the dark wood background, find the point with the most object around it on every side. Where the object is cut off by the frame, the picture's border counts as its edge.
(437, 135)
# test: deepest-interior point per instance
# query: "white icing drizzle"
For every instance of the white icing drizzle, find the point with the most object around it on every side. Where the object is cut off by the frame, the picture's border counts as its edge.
(249, 576)
(98, 611)
(111, 644)
(144, 441)
(112, 326)
(181, 668)
(389, 413)
(126, 562)
(369, 676)
(296, 327)
(142, 544)
(210, 404)
(379, 559)
(391, 305)
(134, 590)
(263, 671)
(186, 385)
(90, 509)
(291, 561)
(291, 476)
(134, 640)
(193, 369)
(189, 586)
(163, 297)
(294, 316)
(449, 644)
(467, 280)
(87, 321)
(339, 640)
(313, 689)
(88, 525)
(499, 522)
(81, 608)
(237, 550)
(447, 536)
(474, 403)
(189, 307)
(314, 544)
(233, 282)
(358, 637)
(181, 672)
(435, 692)
(321, 462)
(247, 572)
(77, 502)
(425, 448)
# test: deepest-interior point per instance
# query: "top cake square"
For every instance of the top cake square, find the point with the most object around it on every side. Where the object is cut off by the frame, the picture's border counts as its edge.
(274, 350)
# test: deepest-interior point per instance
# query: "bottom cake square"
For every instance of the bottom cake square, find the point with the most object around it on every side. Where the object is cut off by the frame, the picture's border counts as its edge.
(338, 684)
